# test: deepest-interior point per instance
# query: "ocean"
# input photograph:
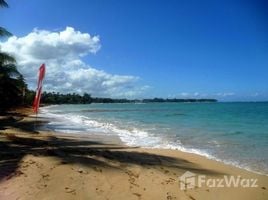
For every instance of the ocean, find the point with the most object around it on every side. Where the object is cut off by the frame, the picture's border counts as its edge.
(233, 133)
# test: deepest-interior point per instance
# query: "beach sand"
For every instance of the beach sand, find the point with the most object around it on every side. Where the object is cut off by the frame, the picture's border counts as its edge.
(46, 165)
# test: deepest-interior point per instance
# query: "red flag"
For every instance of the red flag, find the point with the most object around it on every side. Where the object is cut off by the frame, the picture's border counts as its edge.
(37, 97)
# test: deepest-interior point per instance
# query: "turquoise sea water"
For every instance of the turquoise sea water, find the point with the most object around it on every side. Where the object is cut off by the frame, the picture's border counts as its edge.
(235, 133)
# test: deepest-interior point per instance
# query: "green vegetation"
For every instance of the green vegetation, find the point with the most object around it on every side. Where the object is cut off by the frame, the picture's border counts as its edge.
(3, 3)
(57, 98)
(12, 84)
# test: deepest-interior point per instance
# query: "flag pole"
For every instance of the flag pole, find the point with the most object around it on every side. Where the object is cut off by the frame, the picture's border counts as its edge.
(35, 121)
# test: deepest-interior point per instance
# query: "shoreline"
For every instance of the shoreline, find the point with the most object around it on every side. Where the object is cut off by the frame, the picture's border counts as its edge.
(168, 146)
(46, 158)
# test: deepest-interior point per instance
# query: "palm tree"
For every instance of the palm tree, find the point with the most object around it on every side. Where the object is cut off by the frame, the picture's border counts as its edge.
(3, 3)
(9, 90)
(4, 32)
(12, 83)
(6, 58)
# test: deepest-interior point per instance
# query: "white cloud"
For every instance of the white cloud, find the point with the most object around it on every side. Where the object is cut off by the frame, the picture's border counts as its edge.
(219, 95)
(190, 95)
(184, 94)
(66, 72)
(225, 94)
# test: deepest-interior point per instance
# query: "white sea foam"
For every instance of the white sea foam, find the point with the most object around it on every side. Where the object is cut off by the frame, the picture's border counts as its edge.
(131, 136)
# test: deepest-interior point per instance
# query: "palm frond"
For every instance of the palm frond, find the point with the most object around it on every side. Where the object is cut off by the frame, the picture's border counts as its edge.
(6, 58)
(9, 70)
(4, 32)
(3, 3)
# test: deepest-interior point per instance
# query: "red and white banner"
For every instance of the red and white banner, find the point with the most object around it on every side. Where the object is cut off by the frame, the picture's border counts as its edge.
(37, 98)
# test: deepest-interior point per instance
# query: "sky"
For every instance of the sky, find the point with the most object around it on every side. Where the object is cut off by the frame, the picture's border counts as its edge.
(143, 49)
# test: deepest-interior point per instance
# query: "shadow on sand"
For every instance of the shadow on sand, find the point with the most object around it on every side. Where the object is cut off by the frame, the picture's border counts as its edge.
(72, 150)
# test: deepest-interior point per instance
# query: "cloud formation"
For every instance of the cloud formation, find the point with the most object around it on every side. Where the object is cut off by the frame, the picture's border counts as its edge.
(66, 72)
(225, 94)
(220, 95)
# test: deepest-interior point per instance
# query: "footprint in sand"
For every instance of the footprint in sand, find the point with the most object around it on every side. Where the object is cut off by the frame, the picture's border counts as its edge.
(170, 196)
(82, 171)
(168, 181)
(130, 173)
(45, 176)
(192, 198)
(97, 169)
(31, 162)
(137, 194)
(42, 183)
(99, 191)
(165, 170)
(132, 177)
(70, 190)
(24, 165)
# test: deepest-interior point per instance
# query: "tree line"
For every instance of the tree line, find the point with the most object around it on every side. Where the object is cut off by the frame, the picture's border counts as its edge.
(74, 98)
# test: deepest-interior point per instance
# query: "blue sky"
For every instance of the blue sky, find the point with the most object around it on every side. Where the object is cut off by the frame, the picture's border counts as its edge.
(199, 49)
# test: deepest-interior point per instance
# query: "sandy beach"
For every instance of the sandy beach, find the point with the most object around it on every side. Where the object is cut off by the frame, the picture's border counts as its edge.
(38, 164)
